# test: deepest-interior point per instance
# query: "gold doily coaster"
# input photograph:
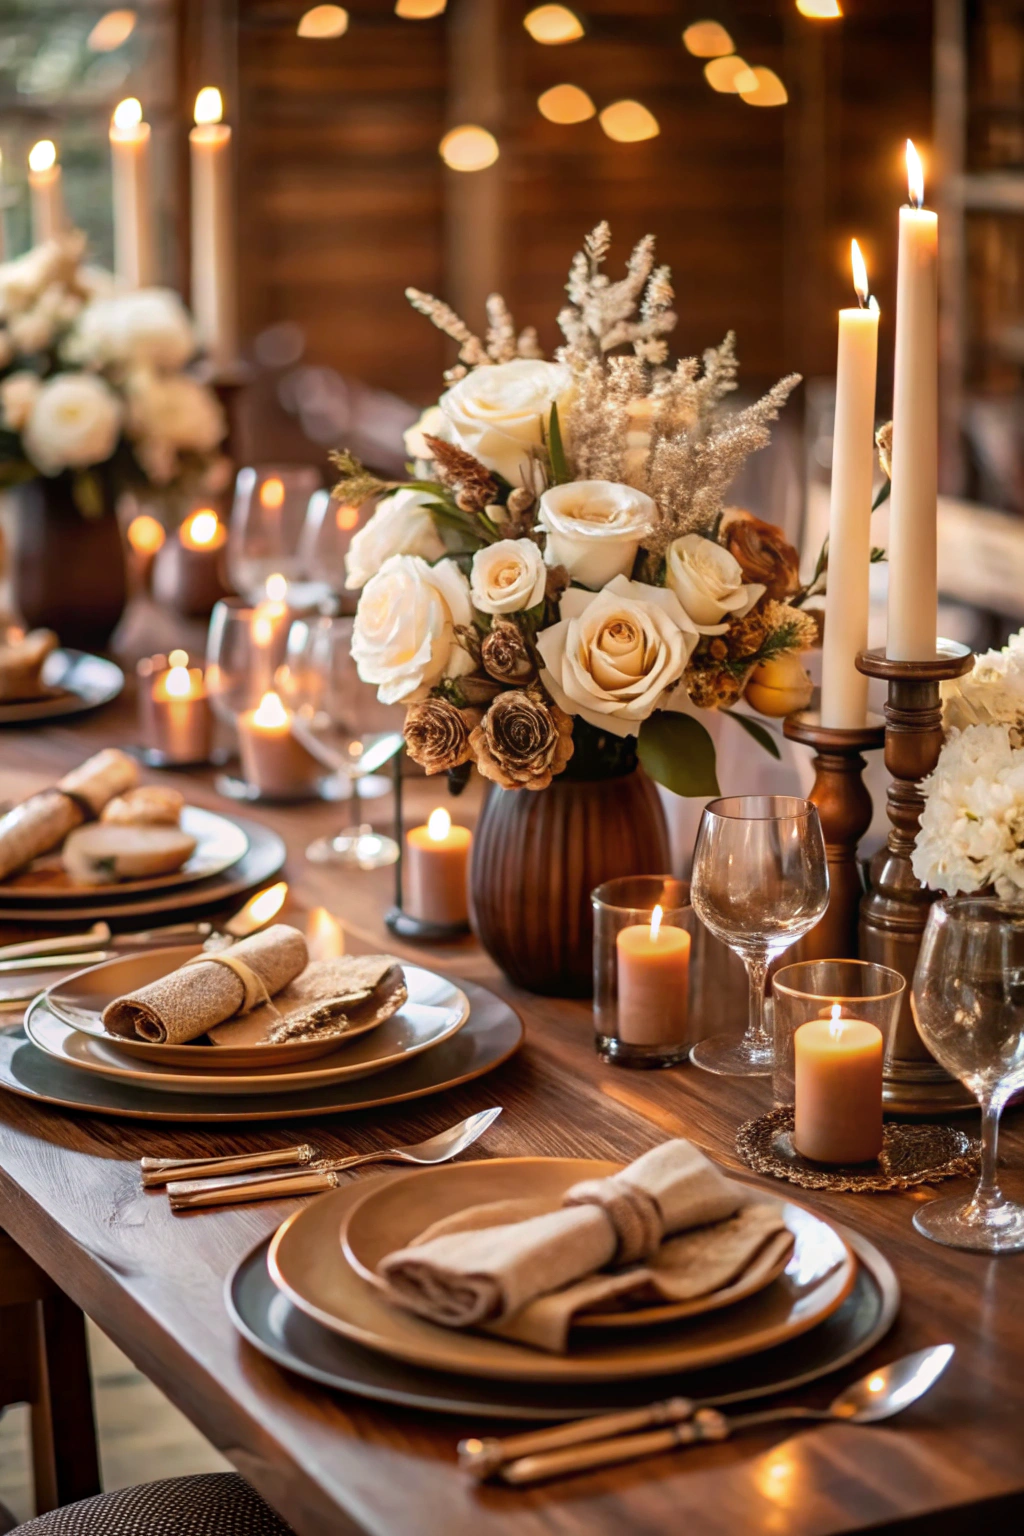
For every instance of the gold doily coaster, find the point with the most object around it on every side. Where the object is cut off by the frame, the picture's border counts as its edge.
(911, 1154)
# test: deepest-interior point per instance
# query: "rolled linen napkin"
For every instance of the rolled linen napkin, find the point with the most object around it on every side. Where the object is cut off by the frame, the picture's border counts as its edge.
(44, 820)
(467, 1278)
(206, 991)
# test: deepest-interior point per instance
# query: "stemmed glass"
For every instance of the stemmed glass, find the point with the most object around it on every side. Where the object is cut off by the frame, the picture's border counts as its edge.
(338, 720)
(759, 883)
(968, 1004)
(268, 517)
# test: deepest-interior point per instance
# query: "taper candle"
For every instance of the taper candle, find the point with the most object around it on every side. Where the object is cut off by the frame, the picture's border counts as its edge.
(213, 254)
(134, 248)
(913, 600)
(44, 180)
(844, 690)
(838, 1070)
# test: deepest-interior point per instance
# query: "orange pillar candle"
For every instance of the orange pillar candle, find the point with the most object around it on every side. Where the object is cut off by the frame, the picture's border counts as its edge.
(181, 722)
(436, 863)
(272, 760)
(653, 977)
(838, 1064)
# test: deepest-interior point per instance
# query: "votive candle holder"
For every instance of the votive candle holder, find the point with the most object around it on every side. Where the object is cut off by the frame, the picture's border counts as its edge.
(643, 933)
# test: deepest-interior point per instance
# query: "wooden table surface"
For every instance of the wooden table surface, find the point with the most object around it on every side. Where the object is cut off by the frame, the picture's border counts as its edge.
(70, 1195)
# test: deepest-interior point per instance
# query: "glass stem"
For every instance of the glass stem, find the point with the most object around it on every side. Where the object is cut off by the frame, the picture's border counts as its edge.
(757, 974)
(988, 1195)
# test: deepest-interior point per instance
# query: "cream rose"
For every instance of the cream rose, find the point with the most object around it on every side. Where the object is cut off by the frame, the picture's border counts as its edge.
(508, 576)
(594, 528)
(146, 327)
(75, 421)
(500, 412)
(708, 581)
(400, 525)
(616, 654)
(18, 394)
(403, 639)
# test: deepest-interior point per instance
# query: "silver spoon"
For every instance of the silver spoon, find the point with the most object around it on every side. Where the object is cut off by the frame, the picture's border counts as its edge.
(880, 1395)
(195, 1194)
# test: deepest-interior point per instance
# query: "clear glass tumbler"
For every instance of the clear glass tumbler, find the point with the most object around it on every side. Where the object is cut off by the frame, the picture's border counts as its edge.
(814, 989)
(643, 928)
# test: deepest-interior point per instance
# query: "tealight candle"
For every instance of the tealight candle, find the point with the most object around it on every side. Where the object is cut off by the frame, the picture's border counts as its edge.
(436, 864)
(146, 538)
(44, 180)
(838, 1067)
(181, 719)
(653, 962)
(273, 762)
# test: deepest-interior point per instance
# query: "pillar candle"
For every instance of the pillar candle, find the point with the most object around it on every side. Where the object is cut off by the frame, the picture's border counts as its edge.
(190, 574)
(134, 246)
(435, 868)
(44, 180)
(844, 693)
(213, 241)
(838, 1066)
(913, 583)
(653, 963)
(180, 715)
(272, 760)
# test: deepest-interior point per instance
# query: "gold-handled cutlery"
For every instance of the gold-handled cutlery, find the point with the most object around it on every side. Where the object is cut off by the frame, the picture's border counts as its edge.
(608, 1439)
(200, 1194)
(158, 1171)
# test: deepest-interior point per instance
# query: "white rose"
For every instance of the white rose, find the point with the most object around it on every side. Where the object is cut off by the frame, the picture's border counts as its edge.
(403, 639)
(708, 581)
(75, 421)
(617, 653)
(18, 394)
(32, 331)
(508, 576)
(500, 412)
(146, 327)
(432, 423)
(171, 415)
(400, 525)
(594, 528)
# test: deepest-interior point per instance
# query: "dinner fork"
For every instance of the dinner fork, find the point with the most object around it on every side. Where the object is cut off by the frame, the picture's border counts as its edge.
(197, 1194)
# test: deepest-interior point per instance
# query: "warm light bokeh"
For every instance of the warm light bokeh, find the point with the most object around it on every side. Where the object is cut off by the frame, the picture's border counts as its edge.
(209, 106)
(468, 148)
(127, 114)
(270, 714)
(145, 534)
(820, 10)
(346, 518)
(721, 74)
(552, 24)
(112, 29)
(260, 908)
(42, 156)
(439, 824)
(324, 21)
(272, 493)
(707, 40)
(203, 530)
(628, 122)
(761, 87)
(419, 10)
(178, 659)
(566, 104)
(177, 683)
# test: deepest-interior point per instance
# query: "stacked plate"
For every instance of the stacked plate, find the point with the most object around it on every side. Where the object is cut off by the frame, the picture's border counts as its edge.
(65, 1055)
(312, 1298)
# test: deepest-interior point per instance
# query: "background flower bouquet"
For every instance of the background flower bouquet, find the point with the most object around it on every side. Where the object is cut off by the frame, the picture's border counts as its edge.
(561, 577)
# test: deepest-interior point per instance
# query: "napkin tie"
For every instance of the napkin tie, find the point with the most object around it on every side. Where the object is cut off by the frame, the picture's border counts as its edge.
(254, 986)
(635, 1215)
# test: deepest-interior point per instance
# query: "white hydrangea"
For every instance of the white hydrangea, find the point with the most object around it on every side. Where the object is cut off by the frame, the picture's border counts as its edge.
(972, 827)
(992, 693)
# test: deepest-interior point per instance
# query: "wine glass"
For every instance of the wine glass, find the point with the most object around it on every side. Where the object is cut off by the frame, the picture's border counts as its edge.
(325, 538)
(968, 1004)
(245, 647)
(268, 516)
(759, 883)
(338, 720)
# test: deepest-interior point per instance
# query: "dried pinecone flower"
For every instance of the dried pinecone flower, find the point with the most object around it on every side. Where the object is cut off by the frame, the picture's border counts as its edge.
(437, 734)
(763, 552)
(522, 741)
(505, 654)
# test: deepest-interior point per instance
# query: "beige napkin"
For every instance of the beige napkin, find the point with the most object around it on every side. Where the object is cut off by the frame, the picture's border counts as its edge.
(528, 1278)
(327, 1001)
(191, 1000)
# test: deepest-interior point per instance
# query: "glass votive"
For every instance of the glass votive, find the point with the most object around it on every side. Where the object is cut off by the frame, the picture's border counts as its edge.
(833, 1024)
(643, 929)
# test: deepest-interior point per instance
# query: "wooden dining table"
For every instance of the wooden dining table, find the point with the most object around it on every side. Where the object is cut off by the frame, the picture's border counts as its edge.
(73, 1209)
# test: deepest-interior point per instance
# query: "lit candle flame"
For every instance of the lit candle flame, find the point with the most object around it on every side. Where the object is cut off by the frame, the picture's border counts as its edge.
(127, 114)
(915, 176)
(178, 684)
(835, 1028)
(860, 273)
(259, 909)
(145, 534)
(272, 493)
(439, 824)
(271, 714)
(656, 917)
(201, 528)
(42, 156)
(346, 519)
(276, 588)
(209, 106)
(876, 1384)
(325, 937)
(178, 659)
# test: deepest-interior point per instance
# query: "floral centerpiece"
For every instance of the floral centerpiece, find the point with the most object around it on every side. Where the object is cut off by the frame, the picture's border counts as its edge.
(560, 577)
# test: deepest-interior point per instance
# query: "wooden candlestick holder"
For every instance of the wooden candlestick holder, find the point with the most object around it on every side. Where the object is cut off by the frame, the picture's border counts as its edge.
(895, 911)
(844, 807)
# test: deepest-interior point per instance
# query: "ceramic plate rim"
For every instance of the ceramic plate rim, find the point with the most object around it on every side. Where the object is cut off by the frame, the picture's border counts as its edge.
(70, 701)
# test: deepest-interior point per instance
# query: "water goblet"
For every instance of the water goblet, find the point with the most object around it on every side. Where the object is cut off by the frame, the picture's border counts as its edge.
(968, 1005)
(268, 517)
(759, 883)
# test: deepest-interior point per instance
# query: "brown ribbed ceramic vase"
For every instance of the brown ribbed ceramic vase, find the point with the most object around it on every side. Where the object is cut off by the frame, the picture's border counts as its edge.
(538, 855)
(69, 569)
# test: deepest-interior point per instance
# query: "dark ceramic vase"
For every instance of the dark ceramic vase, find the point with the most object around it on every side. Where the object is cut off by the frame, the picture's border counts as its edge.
(69, 569)
(538, 855)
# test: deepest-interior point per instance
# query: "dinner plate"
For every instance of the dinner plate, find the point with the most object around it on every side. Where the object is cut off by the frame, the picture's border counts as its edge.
(394, 1211)
(220, 843)
(123, 905)
(76, 681)
(490, 1036)
(435, 1011)
(308, 1265)
(79, 999)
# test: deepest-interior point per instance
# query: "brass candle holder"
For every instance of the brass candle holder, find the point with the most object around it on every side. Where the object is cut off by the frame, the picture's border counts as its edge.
(895, 911)
(844, 807)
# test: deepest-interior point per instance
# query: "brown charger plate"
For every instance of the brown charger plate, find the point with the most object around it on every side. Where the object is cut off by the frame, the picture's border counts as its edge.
(492, 1034)
(280, 1332)
(395, 1210)
(263, 861)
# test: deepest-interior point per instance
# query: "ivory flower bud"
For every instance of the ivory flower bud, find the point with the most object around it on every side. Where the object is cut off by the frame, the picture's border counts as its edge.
(594, 528)
(708, 582)
(508, 576)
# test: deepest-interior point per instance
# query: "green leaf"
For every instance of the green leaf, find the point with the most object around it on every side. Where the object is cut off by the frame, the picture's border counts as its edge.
(677, 751)
(761, 735)
(883, 494)
(556, 451)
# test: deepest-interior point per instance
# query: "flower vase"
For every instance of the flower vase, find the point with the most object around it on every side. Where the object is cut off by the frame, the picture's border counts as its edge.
(69, 567)
(538, 855)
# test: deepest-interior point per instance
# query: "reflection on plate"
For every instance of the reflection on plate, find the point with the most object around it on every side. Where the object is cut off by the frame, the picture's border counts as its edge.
(75, 682)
